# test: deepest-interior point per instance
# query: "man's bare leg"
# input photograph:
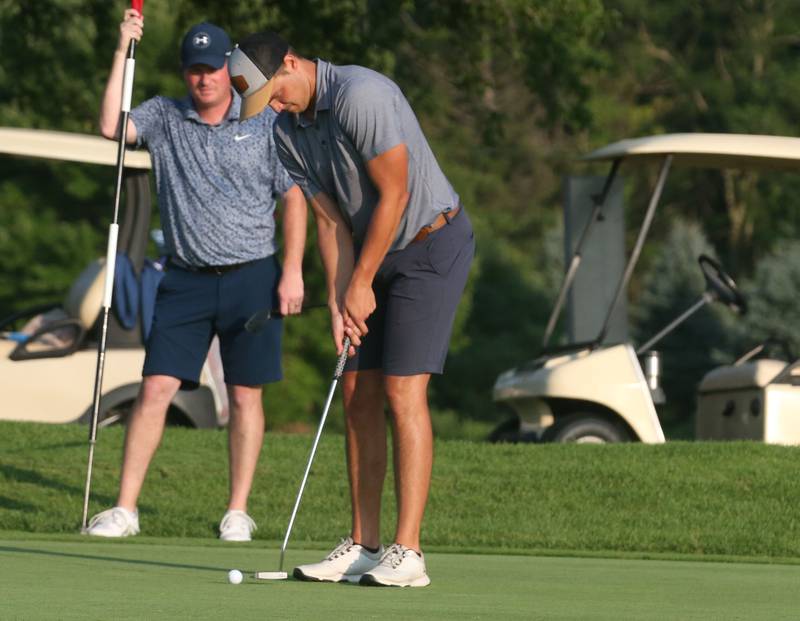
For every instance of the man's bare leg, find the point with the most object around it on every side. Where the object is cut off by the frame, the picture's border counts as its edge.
(413, 453)
(366, 451)
(145, 428)
(245, 439)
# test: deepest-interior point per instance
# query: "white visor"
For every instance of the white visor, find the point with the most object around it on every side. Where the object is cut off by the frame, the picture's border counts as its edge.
(250, 82)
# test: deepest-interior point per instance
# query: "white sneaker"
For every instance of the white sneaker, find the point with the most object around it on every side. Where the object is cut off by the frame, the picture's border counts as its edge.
(399, 566)
(346, 563)
(114, 522)
(236, 526)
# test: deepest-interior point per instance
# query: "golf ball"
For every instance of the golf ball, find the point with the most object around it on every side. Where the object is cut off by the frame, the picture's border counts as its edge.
(235, 576)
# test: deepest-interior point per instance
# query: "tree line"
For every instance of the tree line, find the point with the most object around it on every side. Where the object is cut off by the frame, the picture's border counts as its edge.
(510, 93)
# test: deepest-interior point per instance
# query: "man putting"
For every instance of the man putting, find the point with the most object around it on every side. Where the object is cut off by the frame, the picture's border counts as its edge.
(396, 246)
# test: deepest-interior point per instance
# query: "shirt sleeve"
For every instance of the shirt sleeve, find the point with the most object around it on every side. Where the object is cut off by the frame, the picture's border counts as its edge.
(149, 118)
(367, 112)
(292, 165)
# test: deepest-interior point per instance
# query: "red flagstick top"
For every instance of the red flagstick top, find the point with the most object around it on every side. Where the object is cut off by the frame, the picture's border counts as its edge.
(138, 5)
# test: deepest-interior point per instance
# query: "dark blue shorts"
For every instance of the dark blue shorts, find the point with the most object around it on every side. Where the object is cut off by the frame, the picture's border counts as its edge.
(417, 291)
(191, 307)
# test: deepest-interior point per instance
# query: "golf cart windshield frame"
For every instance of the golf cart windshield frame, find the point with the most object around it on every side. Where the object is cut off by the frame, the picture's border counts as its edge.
(716, 151)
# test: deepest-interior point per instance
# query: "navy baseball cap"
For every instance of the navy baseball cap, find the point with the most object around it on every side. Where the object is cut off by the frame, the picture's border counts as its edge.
(205, 44)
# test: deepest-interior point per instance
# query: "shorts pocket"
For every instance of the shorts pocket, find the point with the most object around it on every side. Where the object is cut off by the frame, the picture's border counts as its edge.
(444, 247)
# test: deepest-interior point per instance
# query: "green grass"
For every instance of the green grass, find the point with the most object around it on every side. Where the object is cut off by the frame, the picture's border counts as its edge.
(125, 580)
(718, 500)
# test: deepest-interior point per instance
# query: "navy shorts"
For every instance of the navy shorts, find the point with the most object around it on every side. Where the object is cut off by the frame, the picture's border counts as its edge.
(417, 291)
(191, 307)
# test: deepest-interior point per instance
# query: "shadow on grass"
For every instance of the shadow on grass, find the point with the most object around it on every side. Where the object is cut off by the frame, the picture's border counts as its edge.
(22, 475)
(111, 559)
(15, 505)
(47, 447)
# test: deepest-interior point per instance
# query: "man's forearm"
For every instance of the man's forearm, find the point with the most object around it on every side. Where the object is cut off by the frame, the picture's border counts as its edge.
(389, 173)
(112, 97)
(380, 236)
(295, 220)
(337, 260)
(335, 242)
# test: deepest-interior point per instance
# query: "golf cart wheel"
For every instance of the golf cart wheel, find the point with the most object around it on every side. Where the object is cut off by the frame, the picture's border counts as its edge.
(507, 431)
(585, 429)
(115, 415)
(120, 413)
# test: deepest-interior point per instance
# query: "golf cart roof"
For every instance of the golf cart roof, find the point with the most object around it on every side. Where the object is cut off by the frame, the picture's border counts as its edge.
(67, 146)
(707, 150)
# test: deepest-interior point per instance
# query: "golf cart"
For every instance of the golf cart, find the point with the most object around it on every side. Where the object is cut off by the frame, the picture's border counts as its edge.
(48, 353)
(755, 398)
(602, 392)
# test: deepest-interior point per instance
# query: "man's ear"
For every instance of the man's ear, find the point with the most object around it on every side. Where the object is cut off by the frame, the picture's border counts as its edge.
(290, 61)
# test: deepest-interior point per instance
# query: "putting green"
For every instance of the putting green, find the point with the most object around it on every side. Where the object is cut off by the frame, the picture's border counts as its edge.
(88, 579)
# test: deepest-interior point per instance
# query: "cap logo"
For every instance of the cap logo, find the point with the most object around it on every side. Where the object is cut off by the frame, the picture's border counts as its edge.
(201, 40)
(239, 83)
(246, 78)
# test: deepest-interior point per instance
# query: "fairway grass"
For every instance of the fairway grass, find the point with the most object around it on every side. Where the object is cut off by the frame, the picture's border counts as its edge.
(90, 579)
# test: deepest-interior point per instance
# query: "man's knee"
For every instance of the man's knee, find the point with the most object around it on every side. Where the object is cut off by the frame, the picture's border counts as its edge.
(404, 392)
(158, 390)
(245, 400)
(363, 393)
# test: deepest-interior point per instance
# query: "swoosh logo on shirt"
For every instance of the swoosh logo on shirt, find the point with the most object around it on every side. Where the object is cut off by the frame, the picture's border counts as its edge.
(242, 137)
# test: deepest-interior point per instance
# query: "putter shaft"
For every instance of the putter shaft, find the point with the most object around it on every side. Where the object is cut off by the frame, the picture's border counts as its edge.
(340, 362)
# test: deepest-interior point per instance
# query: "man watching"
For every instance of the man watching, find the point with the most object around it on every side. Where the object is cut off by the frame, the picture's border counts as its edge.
(217, 179)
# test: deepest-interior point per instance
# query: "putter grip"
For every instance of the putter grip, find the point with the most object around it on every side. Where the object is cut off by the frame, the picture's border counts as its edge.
(342, 358)
(138, 5)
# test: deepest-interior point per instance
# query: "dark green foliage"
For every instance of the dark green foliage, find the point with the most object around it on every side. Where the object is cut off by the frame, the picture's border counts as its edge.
(509, 94)
(773, 294)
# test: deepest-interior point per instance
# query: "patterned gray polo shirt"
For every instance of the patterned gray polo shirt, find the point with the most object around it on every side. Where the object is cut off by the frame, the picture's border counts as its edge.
(217, 184)
(358, 115)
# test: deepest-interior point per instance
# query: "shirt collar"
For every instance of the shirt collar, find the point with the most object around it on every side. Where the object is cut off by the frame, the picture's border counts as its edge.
(323, 94)
(190, 112)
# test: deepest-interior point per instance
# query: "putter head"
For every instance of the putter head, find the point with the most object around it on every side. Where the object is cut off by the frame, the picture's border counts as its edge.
(260, 318)
(271, 575)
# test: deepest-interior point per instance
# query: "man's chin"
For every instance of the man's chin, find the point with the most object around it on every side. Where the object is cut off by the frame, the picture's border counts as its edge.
(207, 99)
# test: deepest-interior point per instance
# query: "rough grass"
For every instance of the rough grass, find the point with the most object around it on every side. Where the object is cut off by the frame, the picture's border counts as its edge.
(715, 499)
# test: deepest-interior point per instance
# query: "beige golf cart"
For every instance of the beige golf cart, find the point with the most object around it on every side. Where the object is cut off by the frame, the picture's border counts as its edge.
(48, 353)
(603, 392)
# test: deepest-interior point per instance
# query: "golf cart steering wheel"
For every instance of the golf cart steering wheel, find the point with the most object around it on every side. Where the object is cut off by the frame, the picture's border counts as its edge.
(721, 285)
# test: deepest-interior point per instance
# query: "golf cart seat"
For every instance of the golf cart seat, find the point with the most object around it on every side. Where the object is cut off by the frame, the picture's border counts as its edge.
(54, 330)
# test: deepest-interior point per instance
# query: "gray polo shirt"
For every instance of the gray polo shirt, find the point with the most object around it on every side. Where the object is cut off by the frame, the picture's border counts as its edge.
(360, 114)
(217, 184)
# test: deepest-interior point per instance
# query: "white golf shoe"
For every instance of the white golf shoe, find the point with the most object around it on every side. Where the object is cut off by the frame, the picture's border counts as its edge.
(400, 566)
(236, 526)
(346, 563)
(114, 522)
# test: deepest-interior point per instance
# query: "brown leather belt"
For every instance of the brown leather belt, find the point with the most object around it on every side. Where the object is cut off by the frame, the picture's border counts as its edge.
(442, 219)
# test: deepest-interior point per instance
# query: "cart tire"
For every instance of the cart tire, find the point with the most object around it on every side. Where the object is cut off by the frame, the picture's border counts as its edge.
(120, 414)
(585, 429)
(507, 431)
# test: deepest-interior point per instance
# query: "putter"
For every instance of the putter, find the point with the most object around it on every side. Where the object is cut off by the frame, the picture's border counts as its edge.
(259, 319)
(280, 574)
(111, 257)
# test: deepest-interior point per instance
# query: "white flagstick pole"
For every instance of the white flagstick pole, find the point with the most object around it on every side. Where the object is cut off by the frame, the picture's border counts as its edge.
(111, 256)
